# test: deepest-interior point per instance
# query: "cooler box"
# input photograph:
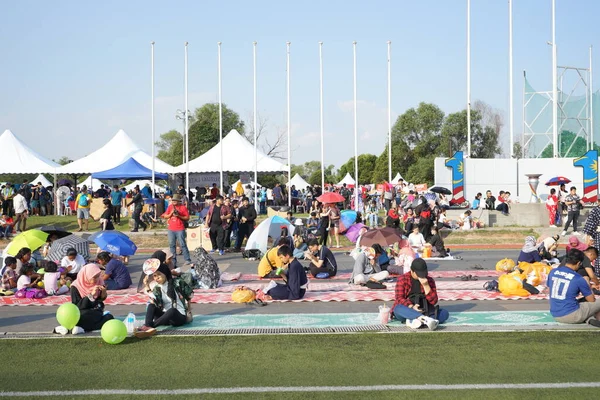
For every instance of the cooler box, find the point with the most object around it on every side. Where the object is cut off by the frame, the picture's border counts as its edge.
(198, 237)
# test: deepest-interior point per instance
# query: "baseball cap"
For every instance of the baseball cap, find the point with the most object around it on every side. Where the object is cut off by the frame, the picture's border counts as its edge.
(419, 267)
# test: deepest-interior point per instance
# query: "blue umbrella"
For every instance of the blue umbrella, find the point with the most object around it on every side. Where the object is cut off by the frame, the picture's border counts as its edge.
(430, 196)
(347, 218)
(93, 236)
(115, 242)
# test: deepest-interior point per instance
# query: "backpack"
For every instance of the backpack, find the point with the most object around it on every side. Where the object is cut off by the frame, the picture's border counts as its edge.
(83, 200)
(206, 268)
(425, 214)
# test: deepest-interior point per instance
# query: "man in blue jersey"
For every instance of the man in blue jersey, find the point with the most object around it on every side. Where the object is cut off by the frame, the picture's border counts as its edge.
(565, 285)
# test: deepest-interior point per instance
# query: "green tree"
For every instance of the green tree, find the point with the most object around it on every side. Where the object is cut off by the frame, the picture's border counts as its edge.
(64, 160)
(484, 139)
(366, 165)
(204, 132)
(570, 146)
(315, 176)
(402, 158)
(170, 148)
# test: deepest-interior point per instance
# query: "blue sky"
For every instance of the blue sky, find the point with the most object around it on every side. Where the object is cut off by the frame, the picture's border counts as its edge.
(73, 73)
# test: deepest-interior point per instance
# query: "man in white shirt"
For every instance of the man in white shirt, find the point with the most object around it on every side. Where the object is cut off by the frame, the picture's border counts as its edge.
(20, 205)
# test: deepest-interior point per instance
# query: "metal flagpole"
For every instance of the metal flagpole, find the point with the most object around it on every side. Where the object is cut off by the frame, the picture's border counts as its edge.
(510, 80)
(255, 127)
(289, 126)
(591, 104)
(355, 133)
(321, 114)
(389, 101)
(469, 78)
(220, 120)
(152, 117)
(554, 84)
(187, 136)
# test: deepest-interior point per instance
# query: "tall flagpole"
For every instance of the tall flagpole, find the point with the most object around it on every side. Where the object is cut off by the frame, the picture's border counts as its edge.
(355, 133)
(469, 78)
(220, 119)
(187, 136)
(289, 125)
(510, 80)
(389, 101)
(554, 84)
(152, 117)
(592, 142)
(255, 128)
(321, 114)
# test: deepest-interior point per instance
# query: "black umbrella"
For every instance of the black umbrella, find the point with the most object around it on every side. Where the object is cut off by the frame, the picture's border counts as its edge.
(440, 190)
(54, 230)
(64, 182)
(59, 248)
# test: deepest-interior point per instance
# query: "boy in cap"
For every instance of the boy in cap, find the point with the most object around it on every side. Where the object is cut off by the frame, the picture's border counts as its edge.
(416, 298)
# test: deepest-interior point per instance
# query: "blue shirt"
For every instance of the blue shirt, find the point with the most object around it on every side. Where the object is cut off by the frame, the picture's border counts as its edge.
(475, 205)
(116, 196)
(565, 285)
(530, 257)
(118, 272)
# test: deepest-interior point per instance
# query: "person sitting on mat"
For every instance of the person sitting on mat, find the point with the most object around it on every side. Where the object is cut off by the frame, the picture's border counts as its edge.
(530, 252)
(72, 263)
(565, 285)
(270, 262)
(322, 260)
(88, 294)
(116, 275)
(416, 240)
(416, 298)
(438, 249)
(294, 276)
(366, 267)
(169, 304)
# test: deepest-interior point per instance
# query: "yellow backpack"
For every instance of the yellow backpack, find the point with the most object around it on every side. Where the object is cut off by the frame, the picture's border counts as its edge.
(242, 294)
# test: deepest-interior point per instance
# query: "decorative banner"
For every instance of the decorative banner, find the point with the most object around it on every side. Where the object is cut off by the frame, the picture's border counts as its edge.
(421, 188)
(205, 179)
(458, 178)
(589, 163)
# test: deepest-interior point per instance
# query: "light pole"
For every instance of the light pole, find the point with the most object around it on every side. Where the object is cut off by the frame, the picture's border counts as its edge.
(180, 115)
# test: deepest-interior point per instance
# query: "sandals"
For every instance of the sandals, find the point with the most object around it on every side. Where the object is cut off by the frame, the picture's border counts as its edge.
(468, 278)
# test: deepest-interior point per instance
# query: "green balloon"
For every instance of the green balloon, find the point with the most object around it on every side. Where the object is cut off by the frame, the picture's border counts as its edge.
(68, 315)
(113, 331)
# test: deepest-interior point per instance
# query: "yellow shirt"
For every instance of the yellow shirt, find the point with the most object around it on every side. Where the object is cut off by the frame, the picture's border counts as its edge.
(264, 268)
(89, 200)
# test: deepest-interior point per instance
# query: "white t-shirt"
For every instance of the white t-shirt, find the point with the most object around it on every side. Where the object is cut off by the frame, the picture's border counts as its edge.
(77, 263)
(416, 240)
(23, 282)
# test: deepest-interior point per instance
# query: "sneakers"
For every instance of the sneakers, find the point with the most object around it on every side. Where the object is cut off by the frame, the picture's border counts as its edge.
(594, 322)
(575, 232)
(563, 233)
(77, 330)
(61, 330)
(431, 323)
(221, 252)
(144, 332)
(212, 251)
(414, 323)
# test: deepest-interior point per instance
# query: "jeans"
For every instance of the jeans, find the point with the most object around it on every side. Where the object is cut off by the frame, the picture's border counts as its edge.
(572, 216)
(157, 317)
(174, 237)
(372, 220)
(402, 313)
(263, 207)
(112, 285)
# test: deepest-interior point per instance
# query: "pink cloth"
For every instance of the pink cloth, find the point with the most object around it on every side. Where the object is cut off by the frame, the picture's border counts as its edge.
(82, 283)
(575, 243)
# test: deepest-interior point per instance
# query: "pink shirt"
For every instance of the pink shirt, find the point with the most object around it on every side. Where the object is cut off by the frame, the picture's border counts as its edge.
(51, 281)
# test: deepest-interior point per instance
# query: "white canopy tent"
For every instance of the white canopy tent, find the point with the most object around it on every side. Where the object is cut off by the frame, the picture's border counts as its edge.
(348, 180)
(42, 179)
(298, 182)
(397, 178)
(18, 158)
(142, 182)
(238, 156)
(114, 153)
(92, 184)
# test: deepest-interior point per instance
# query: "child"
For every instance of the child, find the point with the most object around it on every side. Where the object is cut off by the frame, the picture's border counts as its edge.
(53, 283)
(106, 217)
(9, 276)
(72, 263)
(6, 224)
(24, 281)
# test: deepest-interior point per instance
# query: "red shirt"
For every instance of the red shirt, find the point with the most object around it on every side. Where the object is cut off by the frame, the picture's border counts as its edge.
(174, 223)
(214, 192)
(403, 287)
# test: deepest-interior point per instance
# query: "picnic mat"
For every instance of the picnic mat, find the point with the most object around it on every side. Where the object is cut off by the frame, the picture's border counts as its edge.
(214, 297)
(346, 275)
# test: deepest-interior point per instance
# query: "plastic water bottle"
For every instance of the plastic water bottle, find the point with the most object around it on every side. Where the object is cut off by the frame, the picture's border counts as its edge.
(130, 322)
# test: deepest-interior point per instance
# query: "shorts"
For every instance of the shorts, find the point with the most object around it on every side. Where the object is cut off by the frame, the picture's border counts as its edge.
(35, 203)
(586, 311)
(83, 213)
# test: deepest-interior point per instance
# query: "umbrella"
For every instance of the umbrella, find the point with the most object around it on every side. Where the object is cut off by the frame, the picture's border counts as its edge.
(557, 181)
(33, 239)
(115, 243)
(353, 231)
(270, 227)
(347, 218)
(330, 198)
(64, 182)
(440, 190)
(383, 236)
(93, 236)
(54, 230)
(59, 247)
(430, 196)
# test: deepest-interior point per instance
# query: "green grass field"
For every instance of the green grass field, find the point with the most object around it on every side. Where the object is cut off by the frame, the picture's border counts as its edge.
(303, 360)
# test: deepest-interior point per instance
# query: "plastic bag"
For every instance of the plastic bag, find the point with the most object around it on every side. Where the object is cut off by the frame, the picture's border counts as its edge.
(505, 266)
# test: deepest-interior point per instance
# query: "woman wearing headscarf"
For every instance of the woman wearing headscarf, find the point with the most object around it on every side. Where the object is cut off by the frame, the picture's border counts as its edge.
(88, 294)
(169, 304)
(530, 252)
(575, 243)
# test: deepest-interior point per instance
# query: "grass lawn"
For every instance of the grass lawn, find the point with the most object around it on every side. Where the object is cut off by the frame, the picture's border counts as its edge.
(303, 360)
(69, 223)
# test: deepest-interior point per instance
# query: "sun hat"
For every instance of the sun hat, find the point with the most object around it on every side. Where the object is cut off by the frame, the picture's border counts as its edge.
(298, 222)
